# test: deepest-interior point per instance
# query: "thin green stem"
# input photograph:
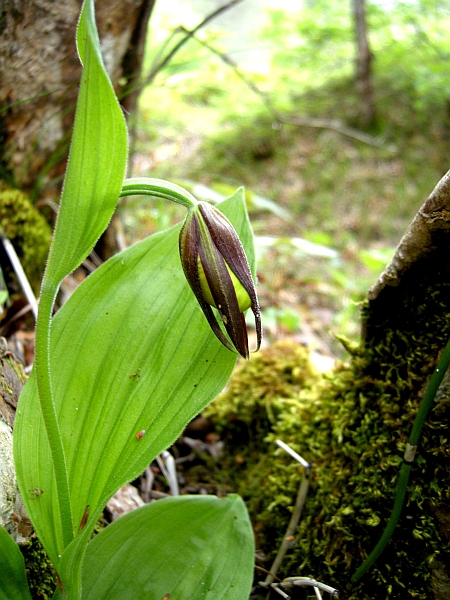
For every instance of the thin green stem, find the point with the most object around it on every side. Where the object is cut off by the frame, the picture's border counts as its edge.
(402, 485)
(400, 494)
(43, 379)
(430, 393)
(146, 186)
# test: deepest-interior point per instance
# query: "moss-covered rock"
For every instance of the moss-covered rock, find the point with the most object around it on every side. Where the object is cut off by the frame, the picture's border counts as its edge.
(28, 231)
(353, 425)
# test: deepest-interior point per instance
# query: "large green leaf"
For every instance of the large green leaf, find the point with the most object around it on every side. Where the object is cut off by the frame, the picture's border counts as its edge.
(97, 158)
(131, 351)
(13, 579)
(92, 185)
(188, 548)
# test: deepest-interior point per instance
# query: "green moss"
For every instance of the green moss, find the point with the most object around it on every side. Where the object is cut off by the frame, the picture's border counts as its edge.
(353, 425)
(42, 578)
(28, 231)
(41, 575)
(17, 367)
(260, 390)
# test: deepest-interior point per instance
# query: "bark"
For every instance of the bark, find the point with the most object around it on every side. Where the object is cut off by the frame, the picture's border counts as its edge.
(40, 70)
(427, 234)
(363, 66)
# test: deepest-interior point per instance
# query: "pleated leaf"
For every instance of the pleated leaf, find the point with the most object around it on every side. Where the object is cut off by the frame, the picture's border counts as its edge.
(13, 579)
(185, 548)
(97, 158)
(131, 353)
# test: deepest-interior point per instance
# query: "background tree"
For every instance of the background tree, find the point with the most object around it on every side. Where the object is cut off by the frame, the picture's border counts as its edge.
(363, 65)
(39, 71)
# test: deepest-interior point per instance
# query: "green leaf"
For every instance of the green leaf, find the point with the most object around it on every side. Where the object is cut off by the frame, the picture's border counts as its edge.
(196, 547)
(131, 351)
(93, 181)
(92, 186)
(97, 159)
(13, 578)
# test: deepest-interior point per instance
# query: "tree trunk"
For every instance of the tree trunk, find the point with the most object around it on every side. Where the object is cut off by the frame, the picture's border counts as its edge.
(363, 66)
(40, 71)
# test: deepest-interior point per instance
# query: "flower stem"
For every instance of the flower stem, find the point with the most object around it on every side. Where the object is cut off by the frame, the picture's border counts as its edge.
(146, 186)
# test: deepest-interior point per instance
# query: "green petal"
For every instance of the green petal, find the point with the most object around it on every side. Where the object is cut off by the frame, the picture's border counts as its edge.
(242, 296)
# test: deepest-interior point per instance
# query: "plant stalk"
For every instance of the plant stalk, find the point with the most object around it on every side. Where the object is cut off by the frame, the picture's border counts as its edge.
(408, 459)
(146, 186)
(293, 523)
(43, 380)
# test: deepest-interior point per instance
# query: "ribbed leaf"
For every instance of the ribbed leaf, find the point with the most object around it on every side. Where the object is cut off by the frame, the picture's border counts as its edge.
(97, 159)
(13, 579)
(185, 548)
(131, 351)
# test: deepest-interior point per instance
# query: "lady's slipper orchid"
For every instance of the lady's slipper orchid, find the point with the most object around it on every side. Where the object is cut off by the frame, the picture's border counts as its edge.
(217, 270)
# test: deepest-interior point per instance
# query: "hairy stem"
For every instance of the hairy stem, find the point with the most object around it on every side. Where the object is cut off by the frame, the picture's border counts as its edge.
(43, 380)
(146, 186)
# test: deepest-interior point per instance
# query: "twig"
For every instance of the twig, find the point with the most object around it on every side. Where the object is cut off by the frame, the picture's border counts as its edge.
(299, 503)
(280, 592)
(294, 581)
(155, 66)
(146, 488)
(294, 454)
(295, 517)
(172, 472)
(155, 495)
(291, 582)
(332, 124)
(17, 315)
(183, 459)
(189, 34)
(265, 571)
(20, 273)
(307, 581)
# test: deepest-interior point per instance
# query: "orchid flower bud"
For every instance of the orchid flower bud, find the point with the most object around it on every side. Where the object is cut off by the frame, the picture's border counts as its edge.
(217, 270)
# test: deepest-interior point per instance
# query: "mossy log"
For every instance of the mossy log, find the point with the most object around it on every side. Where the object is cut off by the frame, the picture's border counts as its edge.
(353, 425)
